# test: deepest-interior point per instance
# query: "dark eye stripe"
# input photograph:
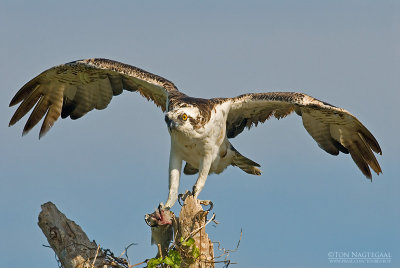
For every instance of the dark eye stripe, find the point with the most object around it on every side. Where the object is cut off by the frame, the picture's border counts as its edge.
(194, 122)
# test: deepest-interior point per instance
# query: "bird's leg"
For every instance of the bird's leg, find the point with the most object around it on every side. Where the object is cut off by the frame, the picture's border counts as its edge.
(175, 165)
(203, 173)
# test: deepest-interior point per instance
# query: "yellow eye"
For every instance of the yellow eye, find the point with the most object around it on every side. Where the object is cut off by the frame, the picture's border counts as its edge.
(184, 117)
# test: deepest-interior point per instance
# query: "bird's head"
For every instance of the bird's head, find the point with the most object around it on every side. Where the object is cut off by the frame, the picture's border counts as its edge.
(183, 119)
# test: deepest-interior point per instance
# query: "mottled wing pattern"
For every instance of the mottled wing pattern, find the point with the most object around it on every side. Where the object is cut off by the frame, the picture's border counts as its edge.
(333, 128)
(75, 88)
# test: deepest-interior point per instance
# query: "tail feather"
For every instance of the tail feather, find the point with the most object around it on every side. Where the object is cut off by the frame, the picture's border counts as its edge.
(189, 170)
(247, 165)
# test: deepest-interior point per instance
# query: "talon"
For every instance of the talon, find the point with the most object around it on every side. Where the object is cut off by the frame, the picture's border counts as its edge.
(187, 193)
(193, 193)
(181, 197)
(207, 203)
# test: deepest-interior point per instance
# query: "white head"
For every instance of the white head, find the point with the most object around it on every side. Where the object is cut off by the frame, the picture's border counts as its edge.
(186, 119)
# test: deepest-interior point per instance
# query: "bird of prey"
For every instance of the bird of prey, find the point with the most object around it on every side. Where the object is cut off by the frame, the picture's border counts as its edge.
(200, 129)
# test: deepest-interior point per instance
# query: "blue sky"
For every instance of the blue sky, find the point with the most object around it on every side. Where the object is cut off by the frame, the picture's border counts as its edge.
(108, 169)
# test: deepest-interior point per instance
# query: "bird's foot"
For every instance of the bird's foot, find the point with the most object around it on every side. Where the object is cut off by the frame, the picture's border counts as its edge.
(182, 198)
(207, 203)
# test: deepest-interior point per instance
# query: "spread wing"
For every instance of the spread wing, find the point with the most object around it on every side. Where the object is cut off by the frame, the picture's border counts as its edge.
(333, 128)
(75, 88)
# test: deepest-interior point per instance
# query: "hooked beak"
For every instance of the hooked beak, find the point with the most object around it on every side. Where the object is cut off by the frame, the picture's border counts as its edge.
(170, 123)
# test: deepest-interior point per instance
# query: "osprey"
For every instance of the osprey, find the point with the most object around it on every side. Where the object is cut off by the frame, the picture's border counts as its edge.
(200, 129)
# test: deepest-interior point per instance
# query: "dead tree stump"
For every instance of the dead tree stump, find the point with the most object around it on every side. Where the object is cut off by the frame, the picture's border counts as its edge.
(74, 249)
(191, 223)
(68, 240)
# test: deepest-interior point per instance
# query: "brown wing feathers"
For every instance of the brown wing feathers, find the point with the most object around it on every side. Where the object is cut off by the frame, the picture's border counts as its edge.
(334, 129)
(321, 133)
(53, 112)
(75, 88)
(275, 104)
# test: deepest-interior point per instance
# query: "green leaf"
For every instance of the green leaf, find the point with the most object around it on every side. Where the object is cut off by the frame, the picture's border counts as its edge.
(195, 252)
(170, 262)
(188, 242)
(152, 263)
(175, 256)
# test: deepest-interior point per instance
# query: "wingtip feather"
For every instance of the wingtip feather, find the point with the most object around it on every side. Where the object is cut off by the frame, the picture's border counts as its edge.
(42, 134)
(12, 103)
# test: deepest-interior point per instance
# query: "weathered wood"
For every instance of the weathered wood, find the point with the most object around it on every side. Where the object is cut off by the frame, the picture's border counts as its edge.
(75, 250)
(67, 239)
(191, 222)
